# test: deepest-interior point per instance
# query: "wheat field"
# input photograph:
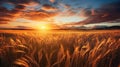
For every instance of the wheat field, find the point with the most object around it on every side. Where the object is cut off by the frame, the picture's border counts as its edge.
(60, 49)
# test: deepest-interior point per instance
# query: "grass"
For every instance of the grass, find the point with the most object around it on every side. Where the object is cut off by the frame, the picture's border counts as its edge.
(60, 49)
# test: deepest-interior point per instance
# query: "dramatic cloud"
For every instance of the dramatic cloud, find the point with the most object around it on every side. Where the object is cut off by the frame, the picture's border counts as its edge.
(6, 15)
(9, 15)
(39, 15)
(19, 7)
(106, 13)
(29, 9)
(59, 12)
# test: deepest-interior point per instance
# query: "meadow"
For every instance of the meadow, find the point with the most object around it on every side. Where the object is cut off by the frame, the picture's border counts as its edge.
(60, 48)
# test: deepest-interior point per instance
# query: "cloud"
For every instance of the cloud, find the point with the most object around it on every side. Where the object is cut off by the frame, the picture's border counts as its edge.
(26, 9)
(106, 13)
(4, 13)
(23, 27)
(9, 15)
(52, 1)
(67, 6)
(85, 12)
(16, 12)
(20, 7)
(32, 6)
(3, 22)
(48, 7)
(16, 1)
(39, 15)
(29, 9)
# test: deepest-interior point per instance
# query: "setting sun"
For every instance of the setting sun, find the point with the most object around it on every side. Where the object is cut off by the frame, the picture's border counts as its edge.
(44, 27)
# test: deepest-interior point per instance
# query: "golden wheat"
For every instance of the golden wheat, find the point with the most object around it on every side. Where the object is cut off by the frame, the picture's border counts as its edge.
(60, 49)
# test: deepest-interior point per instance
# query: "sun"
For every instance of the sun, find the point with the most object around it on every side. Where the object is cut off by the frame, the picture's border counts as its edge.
(44, 27)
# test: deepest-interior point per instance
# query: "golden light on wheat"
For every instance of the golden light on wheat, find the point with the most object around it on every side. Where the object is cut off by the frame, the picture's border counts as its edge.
(65, 49)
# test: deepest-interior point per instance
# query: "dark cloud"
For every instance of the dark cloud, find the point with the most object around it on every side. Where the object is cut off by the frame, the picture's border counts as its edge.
(85, 12)
(39, 15)
(4, 13)
(9, 15)
(16, 12)
(23, 27)
(19, 7)
(19, 10)
(16, 1)
(108, 12)
(48, 7)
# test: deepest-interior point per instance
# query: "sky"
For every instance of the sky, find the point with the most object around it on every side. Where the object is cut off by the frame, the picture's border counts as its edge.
(24, 14)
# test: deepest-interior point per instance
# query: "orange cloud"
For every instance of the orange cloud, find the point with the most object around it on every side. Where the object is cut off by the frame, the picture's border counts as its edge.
(3, 22)
(16, 12)
(39, 15)
(93, 12)
(32, 6)
(48, 7)
(52, 1)
(9, 15)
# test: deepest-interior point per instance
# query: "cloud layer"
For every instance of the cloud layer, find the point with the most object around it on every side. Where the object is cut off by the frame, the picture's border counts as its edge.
(106, 13)
(59, 11)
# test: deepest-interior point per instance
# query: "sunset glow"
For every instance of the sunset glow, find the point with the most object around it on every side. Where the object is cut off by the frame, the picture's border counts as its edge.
(43, 27)
(29, 14)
